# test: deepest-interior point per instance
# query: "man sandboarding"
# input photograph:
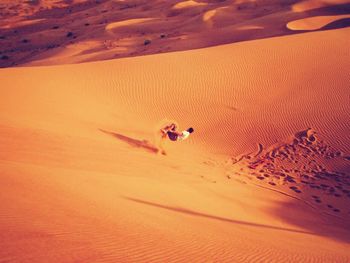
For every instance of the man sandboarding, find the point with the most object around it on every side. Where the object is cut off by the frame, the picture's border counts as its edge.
(170, 132)
(174, 135)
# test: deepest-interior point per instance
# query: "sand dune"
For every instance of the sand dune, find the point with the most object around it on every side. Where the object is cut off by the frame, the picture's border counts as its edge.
(82, 180)
(186, 4)
(314, 4)
(34, 33)
(314, 23)
(124, 23)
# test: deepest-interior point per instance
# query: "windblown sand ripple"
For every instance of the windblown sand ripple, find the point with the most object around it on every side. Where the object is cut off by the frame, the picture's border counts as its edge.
(82, 180)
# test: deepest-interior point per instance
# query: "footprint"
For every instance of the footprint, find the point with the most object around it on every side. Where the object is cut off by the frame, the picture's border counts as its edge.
(260, 177)
(272, 183)
(336, 210)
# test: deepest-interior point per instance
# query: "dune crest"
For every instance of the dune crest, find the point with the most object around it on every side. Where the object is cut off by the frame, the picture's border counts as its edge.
(314, 4)
(186, 4)
(209, 15)
(128, 22)
(314, 23)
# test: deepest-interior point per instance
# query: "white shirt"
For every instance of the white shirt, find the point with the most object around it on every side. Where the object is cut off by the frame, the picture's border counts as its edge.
(184, 135)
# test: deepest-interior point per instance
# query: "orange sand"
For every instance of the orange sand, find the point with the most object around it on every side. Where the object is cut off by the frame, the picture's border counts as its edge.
(81, 180)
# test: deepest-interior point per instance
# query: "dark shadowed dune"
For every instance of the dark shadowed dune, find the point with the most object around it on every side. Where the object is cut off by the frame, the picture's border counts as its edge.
(208, 23)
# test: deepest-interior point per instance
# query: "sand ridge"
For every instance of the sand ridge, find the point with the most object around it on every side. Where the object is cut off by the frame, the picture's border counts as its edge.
(126, 23)
(314, 23)
(314, 4)
(186, 4)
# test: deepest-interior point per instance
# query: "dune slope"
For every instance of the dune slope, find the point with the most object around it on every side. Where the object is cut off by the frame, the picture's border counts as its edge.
(81, 180)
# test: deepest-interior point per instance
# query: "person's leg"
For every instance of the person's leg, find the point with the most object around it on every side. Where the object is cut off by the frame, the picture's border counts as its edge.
(160, 138)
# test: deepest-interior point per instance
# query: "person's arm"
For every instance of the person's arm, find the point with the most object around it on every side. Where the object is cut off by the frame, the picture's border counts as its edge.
(165, 129)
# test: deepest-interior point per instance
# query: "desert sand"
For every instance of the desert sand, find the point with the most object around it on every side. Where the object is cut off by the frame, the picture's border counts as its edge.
(265, 177)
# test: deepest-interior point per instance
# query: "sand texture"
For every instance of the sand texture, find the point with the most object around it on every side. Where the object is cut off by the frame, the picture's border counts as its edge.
(265, 177)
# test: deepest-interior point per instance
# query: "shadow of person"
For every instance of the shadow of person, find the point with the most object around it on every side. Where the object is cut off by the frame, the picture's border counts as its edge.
(144, 144)
(214, 217)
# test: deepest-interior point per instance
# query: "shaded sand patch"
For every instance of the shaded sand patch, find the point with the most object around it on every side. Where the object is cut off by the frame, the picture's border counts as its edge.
(186, 4)
(314, 23)
(314, 4)
(143, 144)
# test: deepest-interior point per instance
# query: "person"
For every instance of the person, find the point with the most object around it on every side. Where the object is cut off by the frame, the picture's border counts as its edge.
(174, 135)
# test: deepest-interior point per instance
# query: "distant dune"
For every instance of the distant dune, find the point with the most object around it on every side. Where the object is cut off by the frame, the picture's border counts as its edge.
(64, 32)
(264, 177)
(306, 5)
(314, 23)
